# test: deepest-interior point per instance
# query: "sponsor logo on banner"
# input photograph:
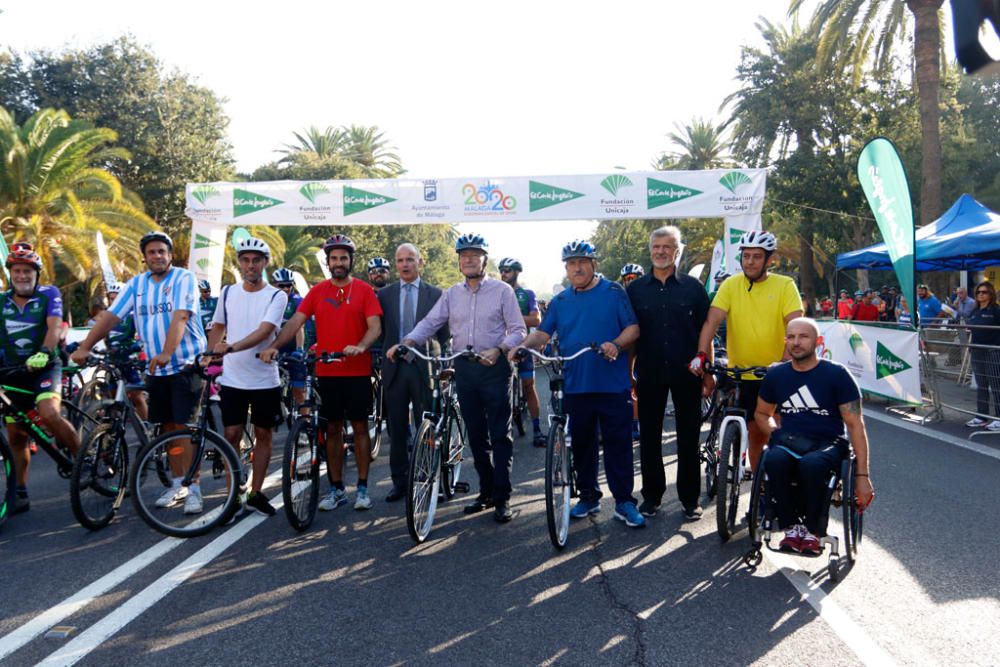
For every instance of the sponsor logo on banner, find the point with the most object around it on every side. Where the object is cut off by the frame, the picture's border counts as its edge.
(312, 192)
(661, 193)
(201, 241)
(431, 209)
(735, 181)
(487, 199)
(246, 202)
(542, 195)
(620, 204)
(856, 342)
(203, 263)
(887, 363)
(203, 194)
(821, 350)
(734, 236)
(357, 200)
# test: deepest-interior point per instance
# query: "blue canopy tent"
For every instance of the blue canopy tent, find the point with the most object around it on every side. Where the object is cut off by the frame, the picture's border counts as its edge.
(965, 238)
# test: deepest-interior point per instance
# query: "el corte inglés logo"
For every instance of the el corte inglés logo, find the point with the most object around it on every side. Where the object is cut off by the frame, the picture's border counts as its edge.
(246, 202)
(356, 200)
(202, 241)
(661, 193)
(541, 195)
(887, 363)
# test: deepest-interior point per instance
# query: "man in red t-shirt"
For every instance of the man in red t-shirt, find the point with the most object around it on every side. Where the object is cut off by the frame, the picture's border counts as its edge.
(864, 310)
(845, 305)
(347, 315)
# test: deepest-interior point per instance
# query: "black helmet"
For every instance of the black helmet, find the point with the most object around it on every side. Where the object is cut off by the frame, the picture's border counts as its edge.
(155, 236)
(339, 241)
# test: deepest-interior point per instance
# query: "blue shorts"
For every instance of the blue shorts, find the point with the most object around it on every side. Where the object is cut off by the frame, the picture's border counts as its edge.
(526, 368)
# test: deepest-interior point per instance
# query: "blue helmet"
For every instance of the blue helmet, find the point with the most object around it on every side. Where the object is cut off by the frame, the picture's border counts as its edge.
(378, 263)
(471, 242)
(204, 285)
(282, 277)
(579, 249)
(510, 264)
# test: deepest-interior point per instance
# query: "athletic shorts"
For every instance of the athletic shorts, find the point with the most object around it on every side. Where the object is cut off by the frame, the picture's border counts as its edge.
(264, 406)
(173, 398)
(748, 397)
(46, 383)
(526, 368)
(345, 398)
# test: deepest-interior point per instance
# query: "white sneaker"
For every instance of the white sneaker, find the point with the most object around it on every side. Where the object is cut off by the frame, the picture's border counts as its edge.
(192, 504)
(976, 422)
(172, 496)
(993, 425)
(334, 499)
(361, 499)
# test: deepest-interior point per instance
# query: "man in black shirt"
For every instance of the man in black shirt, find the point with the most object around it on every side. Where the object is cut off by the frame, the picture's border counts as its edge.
(671, 309)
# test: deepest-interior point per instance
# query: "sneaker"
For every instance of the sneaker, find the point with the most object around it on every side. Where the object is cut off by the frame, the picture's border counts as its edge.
(993, 425)
(647, 508)
(192, 504)
(172, 496)
(809, 543)
(585, 508)
(792, 541)
(335, 499)
(692, 513)
(361, 499)
(21, 504)
(258, 502)
(629, 513)
(976, 422)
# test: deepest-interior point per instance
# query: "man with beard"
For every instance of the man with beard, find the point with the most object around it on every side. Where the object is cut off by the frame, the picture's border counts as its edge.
(32, 319)
(247, 317)
(510, 271)
(378, 272)
(815, 399)
(483, 314)
(756, 305)
(164, 302)
(671, 309)
(347, 316)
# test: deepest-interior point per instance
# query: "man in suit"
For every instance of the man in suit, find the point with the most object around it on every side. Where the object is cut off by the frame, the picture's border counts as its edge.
(405, 382)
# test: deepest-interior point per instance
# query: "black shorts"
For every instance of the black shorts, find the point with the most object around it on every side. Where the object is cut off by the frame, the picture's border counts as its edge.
(173, 398)
(46, 383)
(345, 398)
(264, 406)
(749, 389)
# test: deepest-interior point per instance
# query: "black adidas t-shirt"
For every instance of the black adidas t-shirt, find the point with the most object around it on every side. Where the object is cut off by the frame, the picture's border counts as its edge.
(809, 402)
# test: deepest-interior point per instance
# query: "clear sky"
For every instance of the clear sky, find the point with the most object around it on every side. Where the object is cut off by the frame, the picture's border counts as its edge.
(461, 88)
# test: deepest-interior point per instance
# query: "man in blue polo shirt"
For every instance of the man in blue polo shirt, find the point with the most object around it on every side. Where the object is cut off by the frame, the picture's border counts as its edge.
(598, 388)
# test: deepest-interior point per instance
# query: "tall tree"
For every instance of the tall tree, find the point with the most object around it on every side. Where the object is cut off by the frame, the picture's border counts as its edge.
(702, 144)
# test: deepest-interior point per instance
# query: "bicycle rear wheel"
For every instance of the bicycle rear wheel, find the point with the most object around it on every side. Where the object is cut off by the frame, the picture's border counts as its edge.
(7, 483)
(423, 481)
(300, 475)
(710, 456)
(218, 479)
(451, 469)
(98, 483)
(376, 420)
(558, 486)
(730, 481)
(518, 405)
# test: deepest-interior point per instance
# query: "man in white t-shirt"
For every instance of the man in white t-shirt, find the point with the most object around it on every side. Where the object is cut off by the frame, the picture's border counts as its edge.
(246, 321)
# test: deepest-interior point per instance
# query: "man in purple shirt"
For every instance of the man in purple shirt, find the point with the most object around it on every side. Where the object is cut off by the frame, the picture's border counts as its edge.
(482, 313)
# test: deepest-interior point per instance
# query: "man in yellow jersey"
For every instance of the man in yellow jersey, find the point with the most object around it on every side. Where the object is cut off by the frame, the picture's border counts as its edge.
(756, 306)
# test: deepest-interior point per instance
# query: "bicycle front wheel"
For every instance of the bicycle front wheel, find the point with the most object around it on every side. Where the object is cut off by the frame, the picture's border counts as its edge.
(451, 469)
(376, 420)
(216, 483)
(7, 483)
(300, 475)
(100, 470)
(518, 405)
(423, 481)
(730, 481)
(558, 486)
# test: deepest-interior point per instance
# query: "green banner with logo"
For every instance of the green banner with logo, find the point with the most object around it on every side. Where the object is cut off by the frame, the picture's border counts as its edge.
(884, 182)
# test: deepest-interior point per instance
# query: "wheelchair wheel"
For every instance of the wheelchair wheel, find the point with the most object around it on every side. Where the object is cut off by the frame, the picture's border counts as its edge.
(853, 519)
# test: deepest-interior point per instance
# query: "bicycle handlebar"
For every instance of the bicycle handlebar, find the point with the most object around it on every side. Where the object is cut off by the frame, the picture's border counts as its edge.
(467, 353)
(736, 372)
(593, 347)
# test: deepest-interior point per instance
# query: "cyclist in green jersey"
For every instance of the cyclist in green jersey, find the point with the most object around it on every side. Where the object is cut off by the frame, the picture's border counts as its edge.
(206, 305)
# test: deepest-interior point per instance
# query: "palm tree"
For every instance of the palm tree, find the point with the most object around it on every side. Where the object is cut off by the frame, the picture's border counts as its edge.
(321, 143)
(855, 31)
(703, 146)
(56, 192)
(367, 147)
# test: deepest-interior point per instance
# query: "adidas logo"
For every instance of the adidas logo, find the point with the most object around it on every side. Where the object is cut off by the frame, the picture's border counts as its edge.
(802, 401)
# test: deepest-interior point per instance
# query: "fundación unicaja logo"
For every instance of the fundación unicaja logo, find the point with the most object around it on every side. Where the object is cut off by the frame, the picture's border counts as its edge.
(203, 263)
(357, 200)
(615, 182)
(246, 202)
(661, 193)
(312, 190)
(542, 195)
(856, 342)
(887, 363)
(204, 192)
(734, 180)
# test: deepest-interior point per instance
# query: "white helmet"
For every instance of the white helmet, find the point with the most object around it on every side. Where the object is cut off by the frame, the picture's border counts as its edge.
(759, 239)
(253, 245)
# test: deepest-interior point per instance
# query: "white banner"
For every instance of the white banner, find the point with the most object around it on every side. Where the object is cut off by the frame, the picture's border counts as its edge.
(696, 271)
(625, 195)
(884, 361)
(735, 227)
(208, 252)
(718, 262)
(102, 258)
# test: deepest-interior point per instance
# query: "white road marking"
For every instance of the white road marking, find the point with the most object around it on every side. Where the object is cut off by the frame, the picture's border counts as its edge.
(936, 435)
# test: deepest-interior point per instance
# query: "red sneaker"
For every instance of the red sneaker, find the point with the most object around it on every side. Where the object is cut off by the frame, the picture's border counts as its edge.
(792, 540)
(810, 544)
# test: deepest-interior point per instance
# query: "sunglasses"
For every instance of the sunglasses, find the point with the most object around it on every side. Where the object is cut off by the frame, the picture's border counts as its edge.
(982, 291)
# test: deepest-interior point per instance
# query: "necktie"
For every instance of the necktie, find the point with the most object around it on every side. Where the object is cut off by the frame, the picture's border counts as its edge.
(409, 311)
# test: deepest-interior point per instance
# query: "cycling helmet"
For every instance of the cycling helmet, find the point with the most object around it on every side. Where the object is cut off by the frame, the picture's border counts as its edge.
(471, 242)
(339, 241)
(632, 270)
(579, 248)
(204, 286)
(859, 293)
(510, 264)
(114, 287)
(155, 236)
(23, 253)
(721, 275)
(282, 277)
(759, 239)
(378, 263)
(253, 245)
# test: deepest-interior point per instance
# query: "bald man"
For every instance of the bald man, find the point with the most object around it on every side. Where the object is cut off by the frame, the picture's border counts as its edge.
(803, 407)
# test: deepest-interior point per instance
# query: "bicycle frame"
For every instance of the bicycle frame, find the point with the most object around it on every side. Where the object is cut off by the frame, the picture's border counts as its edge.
(45, 440)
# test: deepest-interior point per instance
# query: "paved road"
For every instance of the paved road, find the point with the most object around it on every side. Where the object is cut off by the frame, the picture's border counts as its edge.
(356, 590)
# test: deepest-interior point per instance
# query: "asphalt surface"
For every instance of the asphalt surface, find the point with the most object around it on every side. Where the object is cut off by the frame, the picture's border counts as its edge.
(356, 590)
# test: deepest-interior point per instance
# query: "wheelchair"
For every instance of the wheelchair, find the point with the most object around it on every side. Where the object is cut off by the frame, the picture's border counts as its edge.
(763, 516)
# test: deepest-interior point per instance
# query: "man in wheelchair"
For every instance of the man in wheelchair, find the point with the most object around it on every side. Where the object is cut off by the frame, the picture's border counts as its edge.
(803, 407)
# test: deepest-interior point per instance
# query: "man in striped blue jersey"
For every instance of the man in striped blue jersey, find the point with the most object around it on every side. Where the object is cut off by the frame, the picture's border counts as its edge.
(164, 303)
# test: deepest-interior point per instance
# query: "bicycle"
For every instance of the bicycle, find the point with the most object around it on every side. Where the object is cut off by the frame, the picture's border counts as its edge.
(560, 474)
(376, 420)
(304, 451)
(438, 446)
(518, 404)
(725, 449)
(152, 473)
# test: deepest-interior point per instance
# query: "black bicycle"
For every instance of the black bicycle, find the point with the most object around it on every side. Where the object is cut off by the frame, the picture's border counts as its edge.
(518, 404)
(438, 446)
